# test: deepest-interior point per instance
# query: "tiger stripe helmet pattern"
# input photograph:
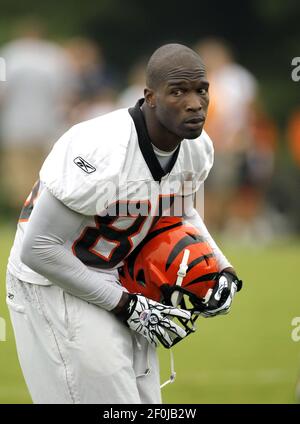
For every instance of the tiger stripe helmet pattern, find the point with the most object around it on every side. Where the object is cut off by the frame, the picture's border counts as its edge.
(153, 267)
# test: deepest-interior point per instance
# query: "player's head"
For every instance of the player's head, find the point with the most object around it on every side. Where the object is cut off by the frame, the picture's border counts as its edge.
(152, 268)
(177, 90)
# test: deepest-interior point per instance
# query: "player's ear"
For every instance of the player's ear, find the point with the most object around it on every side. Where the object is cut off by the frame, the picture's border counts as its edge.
(150, 97)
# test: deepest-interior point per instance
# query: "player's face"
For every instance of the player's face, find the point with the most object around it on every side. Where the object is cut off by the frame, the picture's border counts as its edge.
(182, 100)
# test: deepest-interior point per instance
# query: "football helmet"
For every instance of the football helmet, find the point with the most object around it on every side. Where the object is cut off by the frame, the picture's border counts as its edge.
(173, 265)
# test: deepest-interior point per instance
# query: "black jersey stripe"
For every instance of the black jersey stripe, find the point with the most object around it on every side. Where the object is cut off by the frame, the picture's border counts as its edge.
(145, 145)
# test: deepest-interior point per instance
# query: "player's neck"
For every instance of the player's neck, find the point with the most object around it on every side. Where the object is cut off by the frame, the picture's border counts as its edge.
(159, 135)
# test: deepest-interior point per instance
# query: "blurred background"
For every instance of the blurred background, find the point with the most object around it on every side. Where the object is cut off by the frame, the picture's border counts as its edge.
(71, 62)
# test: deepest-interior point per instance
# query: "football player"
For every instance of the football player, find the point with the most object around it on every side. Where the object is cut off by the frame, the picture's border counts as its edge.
(81, 337)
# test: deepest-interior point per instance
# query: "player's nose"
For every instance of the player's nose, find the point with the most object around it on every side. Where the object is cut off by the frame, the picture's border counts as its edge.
(193, 103)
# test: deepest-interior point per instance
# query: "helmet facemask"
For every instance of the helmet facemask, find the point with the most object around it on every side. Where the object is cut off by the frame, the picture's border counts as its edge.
(175, 295)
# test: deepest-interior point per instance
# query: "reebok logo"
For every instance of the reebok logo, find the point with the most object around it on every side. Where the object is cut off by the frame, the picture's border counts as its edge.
(84, 165)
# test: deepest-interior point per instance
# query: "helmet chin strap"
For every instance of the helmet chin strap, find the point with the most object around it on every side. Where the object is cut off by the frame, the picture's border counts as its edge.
(177, 296)
(175, 300)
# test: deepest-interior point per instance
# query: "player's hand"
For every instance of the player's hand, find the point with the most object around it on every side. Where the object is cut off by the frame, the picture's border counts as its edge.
(222, 294)
(154, 320)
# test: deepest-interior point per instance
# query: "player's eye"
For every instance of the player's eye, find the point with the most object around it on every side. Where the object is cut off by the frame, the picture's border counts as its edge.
(177, 92)
(203, 91)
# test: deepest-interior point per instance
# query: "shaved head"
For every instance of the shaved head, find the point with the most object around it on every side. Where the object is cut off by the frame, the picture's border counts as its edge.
(168, 59)
(176, 95)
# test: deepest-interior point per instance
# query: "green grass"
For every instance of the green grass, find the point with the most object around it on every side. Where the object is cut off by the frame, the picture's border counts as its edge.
(12, 385)
(245, 357)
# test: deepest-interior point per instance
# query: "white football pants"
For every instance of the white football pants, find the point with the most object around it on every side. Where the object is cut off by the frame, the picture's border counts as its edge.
(71, 351)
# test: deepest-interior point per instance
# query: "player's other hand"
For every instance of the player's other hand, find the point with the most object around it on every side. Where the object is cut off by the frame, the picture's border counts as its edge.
(153, 320)
(221, 297)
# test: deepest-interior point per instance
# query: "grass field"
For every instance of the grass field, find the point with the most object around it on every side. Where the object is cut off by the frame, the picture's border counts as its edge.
(245, 357)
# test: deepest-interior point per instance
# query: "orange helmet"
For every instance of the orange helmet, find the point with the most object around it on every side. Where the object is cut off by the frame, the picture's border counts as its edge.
(172, 261)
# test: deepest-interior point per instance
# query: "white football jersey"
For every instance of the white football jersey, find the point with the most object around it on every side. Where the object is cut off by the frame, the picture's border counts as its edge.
(106, 170)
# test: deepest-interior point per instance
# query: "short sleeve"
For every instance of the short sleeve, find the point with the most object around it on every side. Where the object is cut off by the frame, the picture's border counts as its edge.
(83, 167)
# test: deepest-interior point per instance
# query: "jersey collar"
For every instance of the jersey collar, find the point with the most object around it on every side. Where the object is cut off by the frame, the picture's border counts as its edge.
(144, 140)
